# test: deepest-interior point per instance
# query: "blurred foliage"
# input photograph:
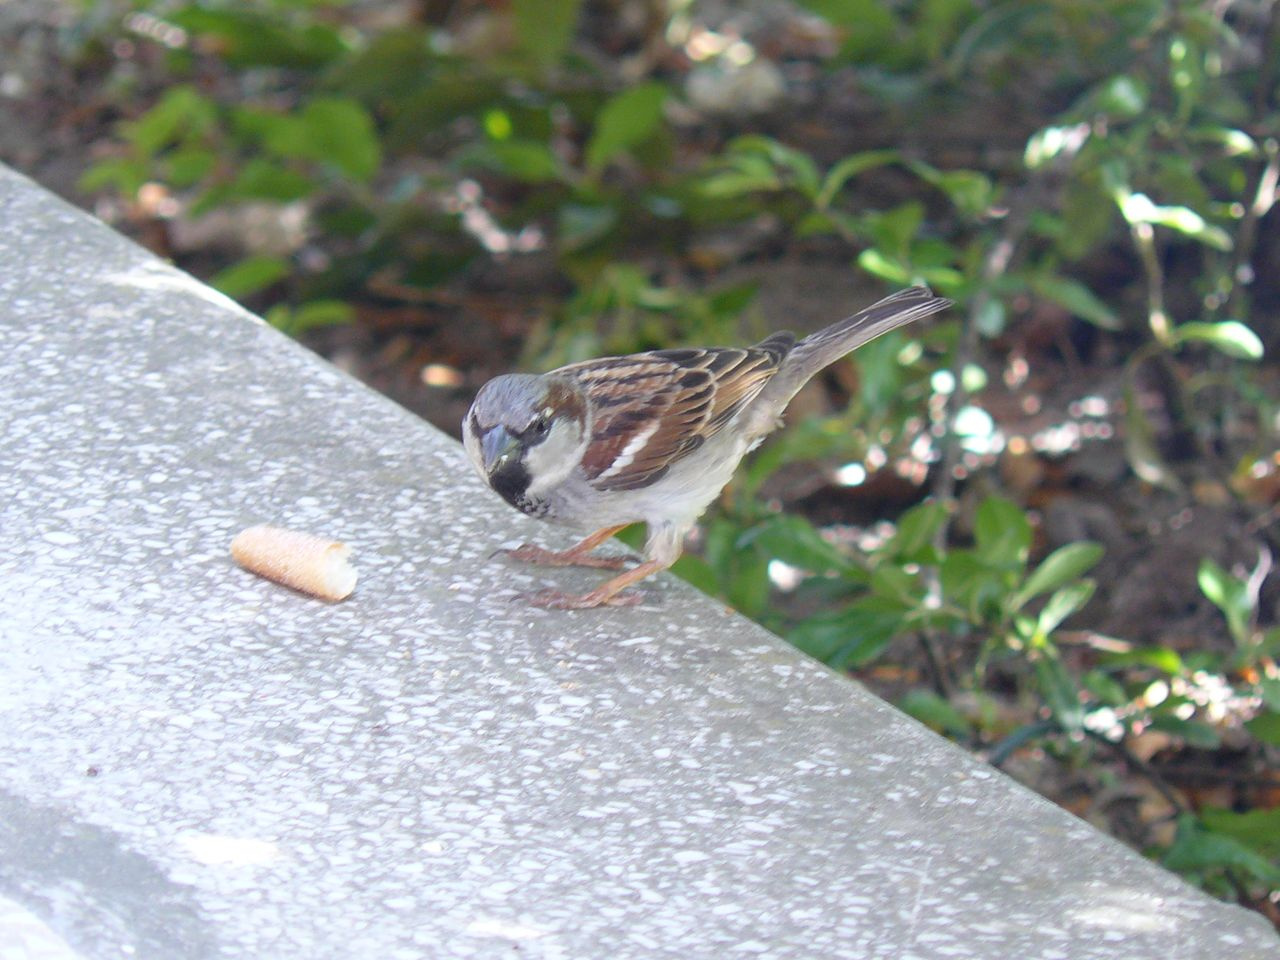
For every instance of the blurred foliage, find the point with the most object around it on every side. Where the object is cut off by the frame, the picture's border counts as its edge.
(469, 134)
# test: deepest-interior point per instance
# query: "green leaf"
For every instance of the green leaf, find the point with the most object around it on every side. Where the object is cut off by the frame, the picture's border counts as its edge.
(317, 313)
(1196, 850)
(794, 540)
(249, 276)
(1139, 208)
(973, 585)
(334, 131)
(1122, 96)
(1045, 145)
(869, 25)
(1269, 690)
(747, 586)
(1258, 829)
(896, 584)
(264, 179)
(970, 191)
(187, 166)
(935, 711)
(1003, 534)
(878, 264)
(627, 119)
(1057, 569)
(341, 132)
(851, 637)
(1060, 693)
(1076, 297)
(581, 225)
(1195, 733)
(1265, 727)
(526, 160)
(125, 174)
(1230, 337)
(544, 28)
(1229, 594)
(1061, 605)
(180, 112)
(1140, 446)
(1160, 658)
(848, 168)
(251, 38)
(912, 542)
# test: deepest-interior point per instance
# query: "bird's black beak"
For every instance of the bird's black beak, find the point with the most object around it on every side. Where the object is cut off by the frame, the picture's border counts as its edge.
(498, 449)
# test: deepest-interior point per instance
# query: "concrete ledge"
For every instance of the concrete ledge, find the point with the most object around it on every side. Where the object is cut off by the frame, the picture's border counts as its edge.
(197, 763)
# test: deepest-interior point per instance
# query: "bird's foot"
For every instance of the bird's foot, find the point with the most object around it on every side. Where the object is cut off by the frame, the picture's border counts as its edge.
(528, 553)
(558, 600)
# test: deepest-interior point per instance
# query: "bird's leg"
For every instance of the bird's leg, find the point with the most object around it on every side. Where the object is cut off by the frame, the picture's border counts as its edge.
(576, 556)
(608, 594)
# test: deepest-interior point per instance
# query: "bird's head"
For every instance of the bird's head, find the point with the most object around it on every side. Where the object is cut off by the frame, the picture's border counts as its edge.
(526, 433)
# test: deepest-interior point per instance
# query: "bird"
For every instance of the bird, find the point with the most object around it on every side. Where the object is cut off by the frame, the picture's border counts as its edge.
(648, 437)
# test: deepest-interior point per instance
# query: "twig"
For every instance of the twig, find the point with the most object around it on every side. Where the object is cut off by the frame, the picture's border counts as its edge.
(941, 676)
(1137, 763)
(1023, 735)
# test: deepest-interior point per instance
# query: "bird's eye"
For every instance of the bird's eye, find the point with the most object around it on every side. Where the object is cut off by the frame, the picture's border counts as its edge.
(540, 426)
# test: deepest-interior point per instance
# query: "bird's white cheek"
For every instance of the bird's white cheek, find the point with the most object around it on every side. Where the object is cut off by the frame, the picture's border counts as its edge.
(550, 462)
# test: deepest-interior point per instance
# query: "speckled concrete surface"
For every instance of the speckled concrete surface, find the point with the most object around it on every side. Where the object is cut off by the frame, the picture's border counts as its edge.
(197, 763)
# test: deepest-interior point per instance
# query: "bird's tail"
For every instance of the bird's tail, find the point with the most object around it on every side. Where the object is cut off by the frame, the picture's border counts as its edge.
(826, 346)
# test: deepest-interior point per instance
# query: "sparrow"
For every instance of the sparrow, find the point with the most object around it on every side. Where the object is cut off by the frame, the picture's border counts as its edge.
(649, 437)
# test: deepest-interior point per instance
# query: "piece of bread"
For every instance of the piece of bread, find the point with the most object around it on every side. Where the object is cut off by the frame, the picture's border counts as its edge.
(303, 561)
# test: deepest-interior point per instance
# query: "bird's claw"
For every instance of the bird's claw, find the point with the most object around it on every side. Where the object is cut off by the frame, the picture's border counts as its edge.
(528, 553)
(558, 600)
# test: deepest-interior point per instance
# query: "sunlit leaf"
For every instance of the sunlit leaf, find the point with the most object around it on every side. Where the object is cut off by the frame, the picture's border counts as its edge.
(1230, 337)
(1046, 145)
(1139, 208)
(1059, 568)
(1229, 594)
(878, 264)
(1163, 659)
(1122, 96)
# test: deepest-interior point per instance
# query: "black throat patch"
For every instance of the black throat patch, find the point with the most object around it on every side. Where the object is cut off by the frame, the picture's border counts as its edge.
(511, 481)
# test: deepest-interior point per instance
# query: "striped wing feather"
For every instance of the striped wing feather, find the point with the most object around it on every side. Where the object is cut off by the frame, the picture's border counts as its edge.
(651, 409)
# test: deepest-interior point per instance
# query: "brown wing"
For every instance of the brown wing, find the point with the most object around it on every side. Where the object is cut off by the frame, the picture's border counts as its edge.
(651, 409)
